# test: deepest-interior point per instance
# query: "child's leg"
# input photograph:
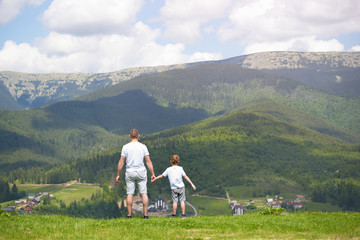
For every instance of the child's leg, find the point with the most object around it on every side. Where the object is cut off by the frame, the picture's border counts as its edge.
(174, 208)
(182, 208)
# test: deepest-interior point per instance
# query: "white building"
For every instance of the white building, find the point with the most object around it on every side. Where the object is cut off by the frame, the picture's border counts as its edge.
(238, 210)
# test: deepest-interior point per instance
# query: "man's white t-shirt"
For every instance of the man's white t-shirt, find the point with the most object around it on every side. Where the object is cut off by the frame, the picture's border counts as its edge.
(134, 152)
(175, 174)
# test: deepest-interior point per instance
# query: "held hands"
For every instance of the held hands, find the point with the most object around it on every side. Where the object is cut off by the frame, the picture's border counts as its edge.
(153, 179)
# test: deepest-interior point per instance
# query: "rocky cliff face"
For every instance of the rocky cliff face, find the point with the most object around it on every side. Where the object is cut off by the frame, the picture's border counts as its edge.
(36, 90)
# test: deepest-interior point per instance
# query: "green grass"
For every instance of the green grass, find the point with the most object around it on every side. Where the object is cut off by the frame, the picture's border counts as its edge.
(210, 206)
(63, 192)
(76, 192)
(324, 207)
(290, 226)
(36, 188)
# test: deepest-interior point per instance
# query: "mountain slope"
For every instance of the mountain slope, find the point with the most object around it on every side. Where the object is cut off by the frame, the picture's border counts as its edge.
(221, 87)
(7, 102)
(259, 146)
(69, 130)
(37, 90)
(252, 146)
(335, 72)
(73, 129)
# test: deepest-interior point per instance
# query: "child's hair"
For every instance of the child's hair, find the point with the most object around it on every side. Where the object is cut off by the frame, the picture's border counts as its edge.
(134, 133)
(175, 159)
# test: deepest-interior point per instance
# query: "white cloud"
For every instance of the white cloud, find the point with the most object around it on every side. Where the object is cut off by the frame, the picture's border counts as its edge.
(306, 44)
(355, 48)
(97, 53)
(274, 21)
(88, 17)
(204, 56)
(183, 18)
(9, 9)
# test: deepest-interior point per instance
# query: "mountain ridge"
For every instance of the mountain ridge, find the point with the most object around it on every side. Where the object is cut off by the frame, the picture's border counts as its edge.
(336, 72)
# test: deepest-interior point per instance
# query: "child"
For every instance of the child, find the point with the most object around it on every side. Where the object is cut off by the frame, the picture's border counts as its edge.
(175, 174)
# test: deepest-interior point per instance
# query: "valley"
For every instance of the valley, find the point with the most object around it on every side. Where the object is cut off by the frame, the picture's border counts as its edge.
(238, 125)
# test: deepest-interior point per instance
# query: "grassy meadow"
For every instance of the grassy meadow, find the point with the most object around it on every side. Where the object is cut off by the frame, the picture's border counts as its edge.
(290, 226)
(66, 192)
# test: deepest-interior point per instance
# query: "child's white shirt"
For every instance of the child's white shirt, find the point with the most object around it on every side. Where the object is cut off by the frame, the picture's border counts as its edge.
(175, 175)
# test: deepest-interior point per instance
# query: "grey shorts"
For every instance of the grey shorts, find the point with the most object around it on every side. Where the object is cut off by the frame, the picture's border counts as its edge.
(132, 177)
(178, 194)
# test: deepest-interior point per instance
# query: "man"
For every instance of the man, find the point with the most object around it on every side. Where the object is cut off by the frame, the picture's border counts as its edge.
(134, 153)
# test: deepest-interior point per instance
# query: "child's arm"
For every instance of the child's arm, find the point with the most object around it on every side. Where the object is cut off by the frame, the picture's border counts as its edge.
(188, 179)
(157, 178)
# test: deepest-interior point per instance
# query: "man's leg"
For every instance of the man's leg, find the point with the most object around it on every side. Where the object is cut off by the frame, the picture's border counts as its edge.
(182, 208)
(174, 208)
(129, 202)
(145, 201)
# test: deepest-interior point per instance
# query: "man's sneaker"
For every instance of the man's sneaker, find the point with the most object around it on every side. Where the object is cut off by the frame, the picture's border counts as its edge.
(127, 217)
(183, 215)
(146, 217)
(173, 215)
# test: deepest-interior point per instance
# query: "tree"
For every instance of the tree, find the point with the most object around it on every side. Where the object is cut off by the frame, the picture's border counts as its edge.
(14, 192)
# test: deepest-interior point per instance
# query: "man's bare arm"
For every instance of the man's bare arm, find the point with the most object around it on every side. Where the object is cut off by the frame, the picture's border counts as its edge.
(150, 166)
(120, 167)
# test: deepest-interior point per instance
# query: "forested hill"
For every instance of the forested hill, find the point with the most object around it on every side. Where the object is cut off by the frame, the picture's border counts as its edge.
(261, 147)
(152, 103)
(252, 145)
(216, 88)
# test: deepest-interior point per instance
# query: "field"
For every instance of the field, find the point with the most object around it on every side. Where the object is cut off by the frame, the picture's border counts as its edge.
(290, 226)
(67, 192)
(210, 206)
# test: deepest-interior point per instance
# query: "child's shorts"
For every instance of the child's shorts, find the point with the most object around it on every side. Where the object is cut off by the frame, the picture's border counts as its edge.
(178, 194)
(136, 176)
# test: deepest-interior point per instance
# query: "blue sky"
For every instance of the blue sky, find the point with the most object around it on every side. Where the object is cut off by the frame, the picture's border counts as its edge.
(46, 36)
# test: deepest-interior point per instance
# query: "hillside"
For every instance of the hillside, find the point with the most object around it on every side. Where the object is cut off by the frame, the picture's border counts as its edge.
(262, 139)
(261, 145)
(152, 103)
(7, 102)
(36, 90)
(70, 130)
(262, 148)
(335, 72)
(217, 88)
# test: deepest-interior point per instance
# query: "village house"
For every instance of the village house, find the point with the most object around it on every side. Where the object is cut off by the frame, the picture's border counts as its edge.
(275, 205)
(28, 209)
(21, 201)
(269, 201)
(287, 202)
(31, 196)
(160, 204)
(233, 203)
(238, 209)
(36, 200)
(298, 205)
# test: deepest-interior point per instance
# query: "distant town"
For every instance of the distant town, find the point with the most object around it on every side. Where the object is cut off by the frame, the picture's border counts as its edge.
(160, 206)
